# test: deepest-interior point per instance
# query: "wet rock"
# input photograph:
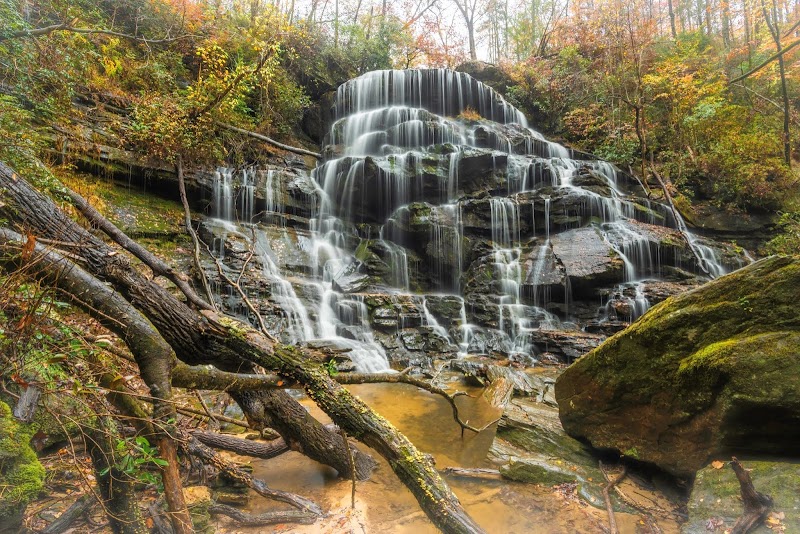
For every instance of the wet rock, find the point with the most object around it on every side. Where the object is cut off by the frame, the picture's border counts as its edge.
(588, 260)
(413, 340)
(567, 345)
(544, 278)
(351, 283)
(716, 496)
(531, 446)
(445, 308)
(386, 318)
(708, 371)
(519, 380)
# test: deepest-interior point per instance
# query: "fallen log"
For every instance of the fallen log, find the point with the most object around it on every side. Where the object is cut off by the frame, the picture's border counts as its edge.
(208, 337)
(262, 520)
(153, 355)
(260, 137)
(76, 509)
(304, 433)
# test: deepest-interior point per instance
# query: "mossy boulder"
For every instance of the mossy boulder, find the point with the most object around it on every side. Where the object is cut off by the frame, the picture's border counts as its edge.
(712, 371)
(21, 474)
(716, 496)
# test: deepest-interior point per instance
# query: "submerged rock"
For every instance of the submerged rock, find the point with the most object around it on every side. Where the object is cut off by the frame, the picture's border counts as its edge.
(532, 447)
(716, 496)
(707, 372)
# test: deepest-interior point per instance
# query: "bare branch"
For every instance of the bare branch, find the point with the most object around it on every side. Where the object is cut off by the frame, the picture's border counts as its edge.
(260, 137)
(766, 62)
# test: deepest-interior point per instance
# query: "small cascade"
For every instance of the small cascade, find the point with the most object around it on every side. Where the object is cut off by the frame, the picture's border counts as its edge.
(223, 198)
(430, 321)
(298, 325)
(273, 200)
(248, 192)
(446, 238)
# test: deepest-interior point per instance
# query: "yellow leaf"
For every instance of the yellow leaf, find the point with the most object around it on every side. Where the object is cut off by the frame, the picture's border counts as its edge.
(716, 464)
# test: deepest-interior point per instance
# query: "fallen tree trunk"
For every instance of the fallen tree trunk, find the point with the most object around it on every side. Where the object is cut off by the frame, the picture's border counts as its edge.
(153, 355)
(260, 137)
(207, 337)
(262, 520)
(186, 330)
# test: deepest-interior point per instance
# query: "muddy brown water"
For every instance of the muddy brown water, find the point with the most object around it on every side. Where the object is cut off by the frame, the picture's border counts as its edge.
(384, 505)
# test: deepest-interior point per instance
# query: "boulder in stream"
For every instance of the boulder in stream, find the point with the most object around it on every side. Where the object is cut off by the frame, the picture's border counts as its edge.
(712, 371)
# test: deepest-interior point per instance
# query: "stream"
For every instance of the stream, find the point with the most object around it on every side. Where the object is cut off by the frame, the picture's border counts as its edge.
(383, 504)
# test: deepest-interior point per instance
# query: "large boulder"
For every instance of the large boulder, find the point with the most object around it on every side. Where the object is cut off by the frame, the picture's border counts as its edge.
(712, 371)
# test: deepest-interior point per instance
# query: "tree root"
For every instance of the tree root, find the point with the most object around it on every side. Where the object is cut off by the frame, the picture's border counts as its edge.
(756, 505)
(193, 446)
(612, 520)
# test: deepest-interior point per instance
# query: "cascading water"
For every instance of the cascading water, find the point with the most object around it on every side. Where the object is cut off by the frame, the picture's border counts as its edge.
(416, 193)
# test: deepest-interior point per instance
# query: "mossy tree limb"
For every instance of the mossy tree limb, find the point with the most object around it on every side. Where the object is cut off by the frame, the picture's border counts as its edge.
(207, 337)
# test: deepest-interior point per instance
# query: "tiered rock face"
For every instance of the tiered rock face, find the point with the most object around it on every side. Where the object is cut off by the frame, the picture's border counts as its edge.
(432, 184)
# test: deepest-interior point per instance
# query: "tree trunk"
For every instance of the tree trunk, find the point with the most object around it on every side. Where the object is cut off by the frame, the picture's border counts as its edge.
(116, 488)
(152, 354)
(244, 447)
(206, 337)
(672, 20)
(774, 30)
(276, 409)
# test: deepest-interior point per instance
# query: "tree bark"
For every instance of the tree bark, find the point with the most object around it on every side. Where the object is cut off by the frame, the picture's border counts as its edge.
(672, 20)
(244, 447)
(774, 30)
(756, 505)
(153, 355)
(206, 337)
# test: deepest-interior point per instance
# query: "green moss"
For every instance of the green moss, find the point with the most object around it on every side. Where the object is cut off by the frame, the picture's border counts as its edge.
(363, 252)
(730, 346)
(134, 212)
(21, 474)
(716, 494)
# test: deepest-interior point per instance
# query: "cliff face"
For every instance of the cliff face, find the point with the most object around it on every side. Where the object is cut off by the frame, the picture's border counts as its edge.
(711, 371)
(439, 224)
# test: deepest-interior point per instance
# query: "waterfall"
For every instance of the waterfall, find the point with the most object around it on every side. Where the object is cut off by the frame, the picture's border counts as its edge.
(427, 178)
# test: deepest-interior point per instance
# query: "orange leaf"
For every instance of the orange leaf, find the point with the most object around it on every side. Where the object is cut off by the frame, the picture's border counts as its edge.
(27, 248)
(716, 464)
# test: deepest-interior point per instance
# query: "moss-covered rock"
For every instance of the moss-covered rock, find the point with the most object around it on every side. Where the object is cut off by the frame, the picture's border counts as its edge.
(710, 371)
(21, 474)
(716, 496)
(532, 447)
